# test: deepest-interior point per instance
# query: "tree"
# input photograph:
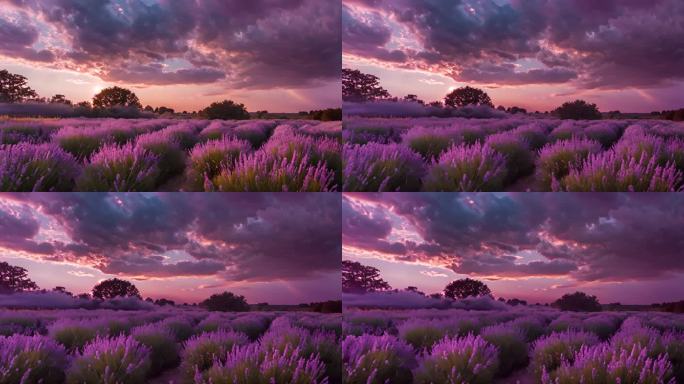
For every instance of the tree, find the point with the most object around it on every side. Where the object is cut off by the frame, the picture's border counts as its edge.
(359, 278)
(226, 110)
(411, 288)
(226, 302)
(112, 288)
(163, 301)
(360, 87)
(15, 279)
(162, 110)
(116, 97)
(60, 99)
(578, 110)
(460, 289)
(467, 96)
(62, 290)
(413, 98)
(14, 88)
(578, 301)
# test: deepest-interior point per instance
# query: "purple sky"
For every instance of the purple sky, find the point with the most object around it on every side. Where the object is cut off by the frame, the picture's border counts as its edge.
(272, 247)
(619, 54)
(279, 55)
(624, 247)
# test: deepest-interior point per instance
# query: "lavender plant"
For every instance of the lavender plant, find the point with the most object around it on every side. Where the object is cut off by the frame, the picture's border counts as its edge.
(164, 352)
(548, 352)
(36, 168)
(381, 167)
(467, 168)
(377, 359)
(511, 346)
(31, 360)
(122, 169)
(111, 361)
(73, 334)
(200, 352)
(556, 159)
(207, 159)
(462, 360)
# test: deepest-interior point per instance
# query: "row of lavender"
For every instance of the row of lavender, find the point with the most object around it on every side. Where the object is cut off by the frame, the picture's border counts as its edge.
(542, 346)
(190, 155)
(76, 346)
(514, 153)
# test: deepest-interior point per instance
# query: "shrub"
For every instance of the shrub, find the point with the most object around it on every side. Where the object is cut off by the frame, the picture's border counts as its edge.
(578, 110)
(200, 351)
(534, 134)
(531, 327)
(261, 172)
(207, 160)
(247, 365)
(170, 156)
(431, 142)
(31, 360)
(180, 328)
(555, 160)
(80, 142)
(548, 352)
(605, 133)
(164, 353)
(111, 360)
(519, 158)
(377, 167)
(73, 335)
(377, 359)
(36, 168)
(467, 168)
(511, 345)
(225, 302)
(609, 172)
(121, 169)
(422, 334)
(468, 359)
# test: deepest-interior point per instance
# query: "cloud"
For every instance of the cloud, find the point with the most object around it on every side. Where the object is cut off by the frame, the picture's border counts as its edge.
(577, 41)
(433, 274)
(238, 237)
(257, 45)
(586, 237)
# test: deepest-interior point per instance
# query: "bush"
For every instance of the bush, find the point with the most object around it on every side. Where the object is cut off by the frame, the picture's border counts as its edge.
(261, 172)
(422, 334)
(121, 169)
(36, 168)
(578, 301)
(511, 346)
(376, 359)
(555, 160)
(468, 169)
(464, 360)
(578, 110)
(225, 110)
(200, 352)
(73, 335)
(548, 352)
(377, 167)
(519, 158)
(170, 156)
(207, 160)
(31, 360)
(164, 353)
(80, 142)
(225, 302)
(111, 360)
(431, 142)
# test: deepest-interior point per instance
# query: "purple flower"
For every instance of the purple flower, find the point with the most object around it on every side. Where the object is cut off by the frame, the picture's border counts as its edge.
(381, 167)
(548, 352)
(111, 360)
(468, 359)
(467, 168)
(31, 359)
(555, 160)
(377, 359)
(122, 169)
(200, 351)
(36, 168)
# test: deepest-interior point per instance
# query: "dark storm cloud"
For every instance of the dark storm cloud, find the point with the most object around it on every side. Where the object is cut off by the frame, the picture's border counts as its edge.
(256, 237)
(255, 44)
(592, 44)
(586, 236)
(17, 39)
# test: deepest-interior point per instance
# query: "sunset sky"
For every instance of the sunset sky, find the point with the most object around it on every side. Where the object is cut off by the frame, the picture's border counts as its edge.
(621, 247)
(270, 247)
(620, 54)
(278, 55)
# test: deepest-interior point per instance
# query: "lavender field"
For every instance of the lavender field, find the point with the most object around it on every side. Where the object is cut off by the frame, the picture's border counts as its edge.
(527, 345)
(168, 346)
(169, 155)
(512, 154)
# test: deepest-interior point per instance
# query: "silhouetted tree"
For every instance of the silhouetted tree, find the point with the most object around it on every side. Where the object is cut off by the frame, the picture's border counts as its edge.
(359, 278)
(578, 301)
(15, 279)
(414, 289)
(148, 108)
(467, 96)
(261, 114)
(226, 302)
(14, 88)
(60, 99)
(578, 110)
(330, 114)
(460, 289)
(436, 295)
(330, 306)
(413, 98)
(358, 86)
(163, 301)
(112, 288)
(62, 290)
(84, 104)
(163, 110)
(226, 110)
(676, 115)
(514, 110)
(85, 296)
(116, 97)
